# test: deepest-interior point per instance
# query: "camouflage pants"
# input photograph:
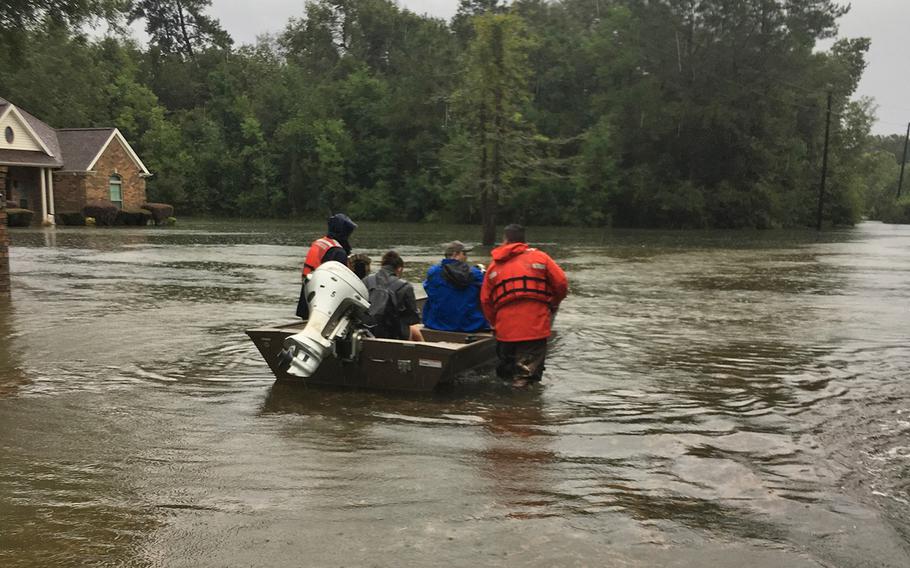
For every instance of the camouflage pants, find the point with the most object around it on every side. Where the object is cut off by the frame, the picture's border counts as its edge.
(521, 359)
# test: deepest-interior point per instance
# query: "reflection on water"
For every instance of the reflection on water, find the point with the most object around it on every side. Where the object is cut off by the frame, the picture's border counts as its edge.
(11, 374)
(712, 399)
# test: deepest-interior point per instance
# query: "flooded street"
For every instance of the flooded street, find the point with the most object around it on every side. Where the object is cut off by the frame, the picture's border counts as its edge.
(712, 399)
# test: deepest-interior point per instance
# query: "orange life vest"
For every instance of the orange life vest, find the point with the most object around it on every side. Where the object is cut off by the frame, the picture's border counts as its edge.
(522, 277)
(317, 250)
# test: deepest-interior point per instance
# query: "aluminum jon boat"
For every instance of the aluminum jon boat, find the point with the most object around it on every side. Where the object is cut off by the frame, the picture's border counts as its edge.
(386, 364)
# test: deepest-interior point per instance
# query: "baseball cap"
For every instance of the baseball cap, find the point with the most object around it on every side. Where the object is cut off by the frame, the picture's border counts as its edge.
(455, 247)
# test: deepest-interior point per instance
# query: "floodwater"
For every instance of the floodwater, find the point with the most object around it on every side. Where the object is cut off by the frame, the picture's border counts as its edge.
(713, 399)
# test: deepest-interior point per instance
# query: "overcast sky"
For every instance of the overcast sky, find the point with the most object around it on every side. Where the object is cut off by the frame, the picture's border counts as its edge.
(887, 22)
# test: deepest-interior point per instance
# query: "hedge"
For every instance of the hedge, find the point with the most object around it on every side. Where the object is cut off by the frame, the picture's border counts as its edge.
(71, 219)
(134, 217)
(160, 211)
(16, 217)
(104, 212)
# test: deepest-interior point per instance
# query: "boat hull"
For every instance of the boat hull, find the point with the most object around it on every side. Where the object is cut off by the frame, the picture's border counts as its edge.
(387, 364)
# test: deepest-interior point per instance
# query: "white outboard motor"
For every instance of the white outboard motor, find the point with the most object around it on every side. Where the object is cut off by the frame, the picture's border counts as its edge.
(336, 298)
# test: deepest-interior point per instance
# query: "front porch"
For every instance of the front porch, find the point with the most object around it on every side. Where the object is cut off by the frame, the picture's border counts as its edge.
(31, 188)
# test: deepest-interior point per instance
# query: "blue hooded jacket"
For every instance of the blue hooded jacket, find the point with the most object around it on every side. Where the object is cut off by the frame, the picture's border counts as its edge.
(453, 297)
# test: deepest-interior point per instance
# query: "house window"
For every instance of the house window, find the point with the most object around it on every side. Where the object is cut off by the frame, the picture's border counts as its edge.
(10, 135)
(116, 185)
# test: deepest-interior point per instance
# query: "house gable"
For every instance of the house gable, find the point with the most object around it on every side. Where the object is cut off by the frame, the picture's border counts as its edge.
(23, 135)
(115, 135)
(115, 163)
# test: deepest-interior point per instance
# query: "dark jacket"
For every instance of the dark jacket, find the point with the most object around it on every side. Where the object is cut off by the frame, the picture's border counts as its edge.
(340, 228)
(453, 297)
(406, 314)
(335, 253)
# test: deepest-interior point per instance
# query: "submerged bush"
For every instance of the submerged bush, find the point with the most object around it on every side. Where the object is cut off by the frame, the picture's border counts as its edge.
(898, 212)
(160, 212)
(134, 217)
(104, 212)
(16, 217)
(70, 219)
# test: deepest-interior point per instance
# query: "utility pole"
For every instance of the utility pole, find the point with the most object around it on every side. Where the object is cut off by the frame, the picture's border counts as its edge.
(900, 182)
(821, 187)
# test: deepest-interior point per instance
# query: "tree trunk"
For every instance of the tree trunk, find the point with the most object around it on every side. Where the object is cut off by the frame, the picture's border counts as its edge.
(187, 44)
(488, 217)
(490, 200)
(487, 201)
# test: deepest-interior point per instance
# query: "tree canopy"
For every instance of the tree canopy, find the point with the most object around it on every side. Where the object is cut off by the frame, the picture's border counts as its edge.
(678, 113)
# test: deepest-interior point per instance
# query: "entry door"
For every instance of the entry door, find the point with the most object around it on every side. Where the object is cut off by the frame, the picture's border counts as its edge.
(18, 193)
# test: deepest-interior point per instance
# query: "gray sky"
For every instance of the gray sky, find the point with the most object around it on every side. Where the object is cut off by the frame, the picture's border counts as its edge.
(887, 22)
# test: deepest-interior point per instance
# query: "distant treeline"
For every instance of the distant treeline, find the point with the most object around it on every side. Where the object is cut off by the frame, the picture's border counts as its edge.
(671, 113)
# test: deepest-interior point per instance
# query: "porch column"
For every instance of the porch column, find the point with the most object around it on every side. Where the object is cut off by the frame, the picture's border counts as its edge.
(43, 197)
(4, 242)
(50, 191)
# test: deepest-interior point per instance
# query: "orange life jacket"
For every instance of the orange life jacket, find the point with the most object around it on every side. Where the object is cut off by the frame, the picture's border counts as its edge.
(317, 250)
(522, 277)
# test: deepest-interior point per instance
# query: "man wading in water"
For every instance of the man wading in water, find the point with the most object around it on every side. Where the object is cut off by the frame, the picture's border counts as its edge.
(521, 292)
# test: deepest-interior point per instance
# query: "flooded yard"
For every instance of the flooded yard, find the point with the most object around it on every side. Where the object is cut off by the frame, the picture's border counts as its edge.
(712, 399)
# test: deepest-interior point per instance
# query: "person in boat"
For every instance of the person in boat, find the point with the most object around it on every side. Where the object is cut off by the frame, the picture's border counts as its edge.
(453, 293)
(360, 265)
(521, 292)
(334, 245)
(393, 306)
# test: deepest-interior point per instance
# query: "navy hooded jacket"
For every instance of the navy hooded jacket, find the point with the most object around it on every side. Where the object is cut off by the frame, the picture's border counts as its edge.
(453, 297)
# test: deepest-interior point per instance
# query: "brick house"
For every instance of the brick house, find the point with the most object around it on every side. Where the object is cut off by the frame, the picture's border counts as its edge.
(53, 171)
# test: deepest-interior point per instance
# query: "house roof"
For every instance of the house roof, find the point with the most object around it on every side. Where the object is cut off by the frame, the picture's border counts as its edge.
(73, 149)
(47, 134)
(27, 158)
(43, 135)
(81, 145)
(86, 145)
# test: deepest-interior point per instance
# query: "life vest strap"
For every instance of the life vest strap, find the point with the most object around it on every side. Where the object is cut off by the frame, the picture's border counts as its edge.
(501, 291)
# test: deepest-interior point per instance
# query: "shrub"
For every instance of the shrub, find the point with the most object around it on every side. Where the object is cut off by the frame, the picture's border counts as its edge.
(160, 212)
(71, 219)
(104, 212)
(896, 212)
(134, 217)
(19, 217)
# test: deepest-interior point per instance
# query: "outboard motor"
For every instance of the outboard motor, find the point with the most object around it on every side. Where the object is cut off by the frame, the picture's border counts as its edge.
(336, 298)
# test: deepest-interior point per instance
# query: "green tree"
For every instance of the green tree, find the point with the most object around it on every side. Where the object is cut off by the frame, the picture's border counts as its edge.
(180, 27)
(20, 17)
(315, 163)
(490, 102)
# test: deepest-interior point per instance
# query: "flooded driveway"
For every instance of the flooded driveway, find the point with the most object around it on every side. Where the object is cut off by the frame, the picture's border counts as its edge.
(713, 399)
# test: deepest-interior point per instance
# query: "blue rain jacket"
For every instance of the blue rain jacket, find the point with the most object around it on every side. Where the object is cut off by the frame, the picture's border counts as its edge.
(453, 297)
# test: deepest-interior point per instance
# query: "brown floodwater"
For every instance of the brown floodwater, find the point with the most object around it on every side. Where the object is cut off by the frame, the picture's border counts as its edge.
(712, 399)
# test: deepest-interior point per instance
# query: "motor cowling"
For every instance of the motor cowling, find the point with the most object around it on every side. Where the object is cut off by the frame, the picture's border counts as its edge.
(336, 298)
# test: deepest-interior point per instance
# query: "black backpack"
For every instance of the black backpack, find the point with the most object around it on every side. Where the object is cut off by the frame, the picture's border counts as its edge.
(383, 317)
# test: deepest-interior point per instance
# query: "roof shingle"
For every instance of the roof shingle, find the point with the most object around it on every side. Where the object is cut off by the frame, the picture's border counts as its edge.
(81, 145)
